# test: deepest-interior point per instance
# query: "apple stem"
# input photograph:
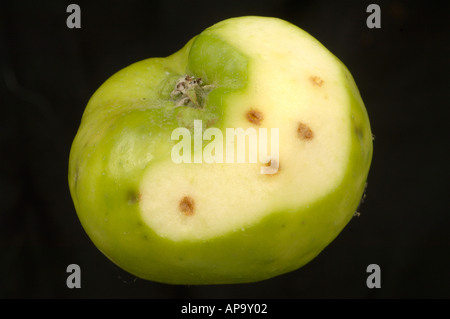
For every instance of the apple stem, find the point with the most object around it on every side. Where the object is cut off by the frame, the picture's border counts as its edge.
(190, 91)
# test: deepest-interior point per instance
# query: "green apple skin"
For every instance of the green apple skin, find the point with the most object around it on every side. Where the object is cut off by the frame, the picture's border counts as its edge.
(126, 130)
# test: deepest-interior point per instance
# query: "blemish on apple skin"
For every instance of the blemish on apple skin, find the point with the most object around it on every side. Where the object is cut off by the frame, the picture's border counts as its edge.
(134, 197)
(211, 122)
(269, 164)
(360, 135)
(75, 177)
(254, 116)
(357, 129)
(317, 81)
(361, 201)
(187, 206)
(305, 132)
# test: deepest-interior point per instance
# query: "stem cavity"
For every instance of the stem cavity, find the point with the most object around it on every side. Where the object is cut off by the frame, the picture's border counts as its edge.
(190, 91)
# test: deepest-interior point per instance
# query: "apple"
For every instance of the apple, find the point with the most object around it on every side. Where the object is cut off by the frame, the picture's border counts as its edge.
(156, 179)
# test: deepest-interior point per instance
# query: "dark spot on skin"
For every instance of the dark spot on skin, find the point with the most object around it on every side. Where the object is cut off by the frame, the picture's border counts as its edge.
(187, 206)
(254, 116)
(75, 177)
(133, 197)
(268, 164)
(359, 132)
(362, 198)
(316, 80)
(211, 122)
(305, 132)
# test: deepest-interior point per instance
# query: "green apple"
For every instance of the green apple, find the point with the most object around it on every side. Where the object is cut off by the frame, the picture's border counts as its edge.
(216, 221)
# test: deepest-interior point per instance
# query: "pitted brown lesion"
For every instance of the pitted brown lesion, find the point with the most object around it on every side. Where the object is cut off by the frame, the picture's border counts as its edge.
(317, 81)
(359, 132)
(254, 116)
(134, 197)
(270, 163)
(304, 132)
(187, 206)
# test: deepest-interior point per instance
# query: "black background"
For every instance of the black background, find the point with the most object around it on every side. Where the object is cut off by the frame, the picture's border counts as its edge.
(49, 72)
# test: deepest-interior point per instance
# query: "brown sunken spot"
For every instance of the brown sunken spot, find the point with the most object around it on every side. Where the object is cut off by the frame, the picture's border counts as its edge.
(316, 80)
(134, 197)
(187, 206)
(359, 132)
(211, 122)
(304, 132)
(254, 117)
(269, 164)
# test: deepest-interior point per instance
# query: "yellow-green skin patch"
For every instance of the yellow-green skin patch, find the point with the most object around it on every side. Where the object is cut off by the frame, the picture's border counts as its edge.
(130, 196)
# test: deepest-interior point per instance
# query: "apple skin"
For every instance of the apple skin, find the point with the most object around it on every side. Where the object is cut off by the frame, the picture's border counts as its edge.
(120, 136)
